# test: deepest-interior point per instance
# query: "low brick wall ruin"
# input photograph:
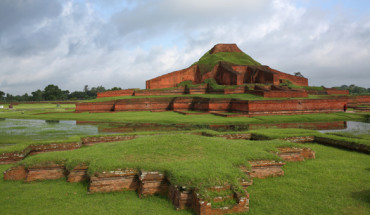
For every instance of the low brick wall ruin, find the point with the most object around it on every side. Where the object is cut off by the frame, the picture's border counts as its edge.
(343, 144)
(13, 157)
(249, 107)
(95, 106)
(264, 169)
(89, 141)
(161, 92)
(296, 154)
(113, 93)
(152, 182)
(144, 104)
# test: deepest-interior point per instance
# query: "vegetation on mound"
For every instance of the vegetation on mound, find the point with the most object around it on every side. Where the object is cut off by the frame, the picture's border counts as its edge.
(208, 61)
(187, 160)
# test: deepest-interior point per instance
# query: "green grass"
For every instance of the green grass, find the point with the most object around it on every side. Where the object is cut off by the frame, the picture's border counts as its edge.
(43, 106)
(279, 133)
(60, 197)
(176, 118)
(336, 182)
(208, 61)
(188, 160)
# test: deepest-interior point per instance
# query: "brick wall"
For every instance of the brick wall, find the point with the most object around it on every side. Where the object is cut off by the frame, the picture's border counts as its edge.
(174, 78)
(95, 106)
(128, 92)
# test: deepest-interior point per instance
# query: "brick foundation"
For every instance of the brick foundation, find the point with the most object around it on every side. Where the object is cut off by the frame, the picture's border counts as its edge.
(89, 141)
(296, 154)
(114, 181)
(264, 169)
(46, 172)
(78, 174)
(17, 173)
(152, 183)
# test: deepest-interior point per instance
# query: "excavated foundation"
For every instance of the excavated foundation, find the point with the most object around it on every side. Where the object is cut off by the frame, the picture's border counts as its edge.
(148, 183)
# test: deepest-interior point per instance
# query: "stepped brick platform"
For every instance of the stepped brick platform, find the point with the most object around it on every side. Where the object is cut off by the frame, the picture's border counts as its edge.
(244, 107)
(112, 181)
(46, 172)
(13, 157)
(225, 73)
(180, 197)
(264, 169)
(128, 92)
(152, 182)
(17, 173)
(78, 174)
(202, 207)
(296, 154)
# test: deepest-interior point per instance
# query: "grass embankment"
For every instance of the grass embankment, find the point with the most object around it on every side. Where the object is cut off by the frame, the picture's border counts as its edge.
(172, 117)
(188, 160)
(336, 182)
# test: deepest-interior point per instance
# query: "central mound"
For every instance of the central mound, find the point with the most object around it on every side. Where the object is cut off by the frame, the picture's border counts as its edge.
(224, 48)
(227, 53)
(227, 65)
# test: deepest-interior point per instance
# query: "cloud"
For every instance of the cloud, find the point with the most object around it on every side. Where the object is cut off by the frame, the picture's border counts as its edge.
(123, 43)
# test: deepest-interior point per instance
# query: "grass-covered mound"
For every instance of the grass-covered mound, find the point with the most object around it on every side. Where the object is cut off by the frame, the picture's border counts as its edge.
(208, 60)
(187, 160)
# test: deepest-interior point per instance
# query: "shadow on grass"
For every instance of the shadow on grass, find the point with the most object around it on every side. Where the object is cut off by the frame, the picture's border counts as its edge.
(363, 195)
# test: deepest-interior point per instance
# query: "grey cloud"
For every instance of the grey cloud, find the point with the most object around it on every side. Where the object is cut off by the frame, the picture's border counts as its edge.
(15, 13)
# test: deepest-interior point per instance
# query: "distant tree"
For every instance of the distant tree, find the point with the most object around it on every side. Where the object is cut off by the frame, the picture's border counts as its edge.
(86, 88)
(2, 94)
(298, 74)
(52, 92)
(37, 95)
(353, 89)
(115, 88)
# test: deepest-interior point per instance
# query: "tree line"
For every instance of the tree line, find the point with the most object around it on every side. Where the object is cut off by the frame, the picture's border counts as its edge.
(355, 90)
(54, 93)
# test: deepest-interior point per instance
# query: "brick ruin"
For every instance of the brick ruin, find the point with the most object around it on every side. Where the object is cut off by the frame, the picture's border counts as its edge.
(253, 79)
(246, 107)
(225, 73)
(148, 183)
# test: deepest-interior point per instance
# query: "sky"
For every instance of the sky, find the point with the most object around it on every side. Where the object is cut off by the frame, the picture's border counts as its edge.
(122, 43)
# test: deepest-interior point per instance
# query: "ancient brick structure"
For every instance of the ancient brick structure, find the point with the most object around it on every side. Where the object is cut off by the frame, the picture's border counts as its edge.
(128, 92)
(225, 73)
(248, 107)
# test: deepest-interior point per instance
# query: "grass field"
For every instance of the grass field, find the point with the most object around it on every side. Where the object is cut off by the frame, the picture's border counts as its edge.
(336, 182)
(173, 117)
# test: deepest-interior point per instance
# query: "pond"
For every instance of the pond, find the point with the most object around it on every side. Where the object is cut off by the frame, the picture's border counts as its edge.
(21, 130)
(353, 128)
(15, 130)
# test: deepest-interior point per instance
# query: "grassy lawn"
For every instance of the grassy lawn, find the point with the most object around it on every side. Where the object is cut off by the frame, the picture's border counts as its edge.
(336, 182)
(187, 160)
(172, 117)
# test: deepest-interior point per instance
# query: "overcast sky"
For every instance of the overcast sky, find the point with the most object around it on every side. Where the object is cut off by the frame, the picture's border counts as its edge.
(123, 43)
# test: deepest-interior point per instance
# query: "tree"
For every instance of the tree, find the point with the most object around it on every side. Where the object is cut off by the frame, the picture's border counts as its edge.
(2, 94)
(116, 88)
(298, 74)
(52, 92)
(37, 95)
